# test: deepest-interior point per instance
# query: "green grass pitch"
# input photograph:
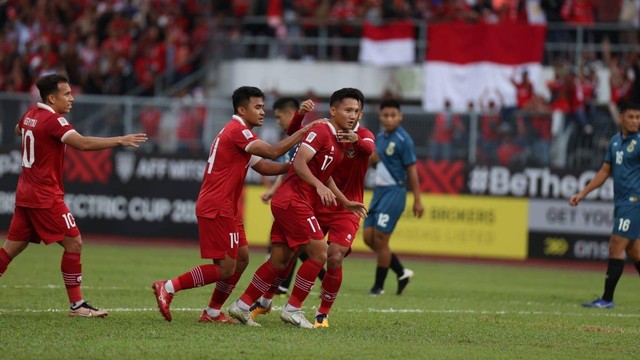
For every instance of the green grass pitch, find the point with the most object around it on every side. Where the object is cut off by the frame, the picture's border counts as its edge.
(449, 311)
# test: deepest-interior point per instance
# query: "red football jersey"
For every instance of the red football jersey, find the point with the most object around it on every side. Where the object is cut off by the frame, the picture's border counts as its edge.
(322, 140)
(350, 174)
(226, 169)
(43, 132)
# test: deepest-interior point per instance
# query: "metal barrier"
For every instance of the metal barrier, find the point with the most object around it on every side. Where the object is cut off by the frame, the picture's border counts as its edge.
(186, 125)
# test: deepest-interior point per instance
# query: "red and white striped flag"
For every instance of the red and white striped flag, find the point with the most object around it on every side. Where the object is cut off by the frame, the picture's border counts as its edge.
(465, 60)
(391, 44)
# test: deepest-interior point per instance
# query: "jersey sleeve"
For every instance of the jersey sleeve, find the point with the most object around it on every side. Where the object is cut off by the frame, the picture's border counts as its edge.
(295, 124)
(58, 127)
(366, 142)
(315, 138)
(243, 138)
(408, 152)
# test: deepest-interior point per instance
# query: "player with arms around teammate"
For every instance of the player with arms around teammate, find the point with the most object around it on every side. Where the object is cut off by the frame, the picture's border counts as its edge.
(41, 213)
(340, 223)
(295, 228)
(622, 162)
(221, 235)
(395, 160)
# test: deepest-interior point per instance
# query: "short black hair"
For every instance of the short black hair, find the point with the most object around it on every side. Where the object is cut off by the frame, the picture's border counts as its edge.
(630, 105)
(286, 103)
(392, 103)
(48, 85)
(242, 95)
(346, 93)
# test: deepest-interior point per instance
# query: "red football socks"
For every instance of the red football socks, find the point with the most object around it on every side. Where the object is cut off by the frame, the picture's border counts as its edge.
(223, 290)
(72, 275)
(305, 278)
(330, 287)
(198, 276)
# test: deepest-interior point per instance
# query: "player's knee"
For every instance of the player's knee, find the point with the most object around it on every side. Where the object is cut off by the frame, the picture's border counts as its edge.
(73, 245)
(334, 261)
(226, 272)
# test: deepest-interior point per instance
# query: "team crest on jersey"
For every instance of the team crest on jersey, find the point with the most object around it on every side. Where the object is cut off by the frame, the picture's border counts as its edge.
(125, 165)
(390, 148)
(351, 152)
(247, 134)
(631, 146)
(63, 121)
(310, 137)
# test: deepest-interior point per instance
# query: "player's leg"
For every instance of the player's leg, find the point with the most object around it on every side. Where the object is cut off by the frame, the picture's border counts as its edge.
(383, 258)
(303, 257)
(262, 306)
(331, 283)
(627, 227)
(305, 279)
(219, 241)
(9, 251)
(262, 280)
(633, 252)
(224, 288)
(20, 233)
(266, 274)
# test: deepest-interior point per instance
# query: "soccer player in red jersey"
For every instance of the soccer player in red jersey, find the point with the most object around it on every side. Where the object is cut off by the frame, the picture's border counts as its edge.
(41, 213)
(340, 223)
(296, 228)
(221, 233)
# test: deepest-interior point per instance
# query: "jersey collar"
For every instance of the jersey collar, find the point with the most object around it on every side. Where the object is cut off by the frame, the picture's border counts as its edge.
(356, 127)
(333, 130)
(45, 106)
(239, 119)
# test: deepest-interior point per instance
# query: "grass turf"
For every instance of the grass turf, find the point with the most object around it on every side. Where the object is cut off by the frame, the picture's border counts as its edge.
(449, 311)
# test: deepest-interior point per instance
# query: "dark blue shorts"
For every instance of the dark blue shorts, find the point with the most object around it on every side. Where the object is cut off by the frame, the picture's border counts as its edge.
(627, 222)
(386, 207)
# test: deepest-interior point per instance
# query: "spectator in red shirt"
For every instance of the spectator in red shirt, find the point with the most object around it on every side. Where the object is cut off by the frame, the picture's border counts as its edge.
(445, 127)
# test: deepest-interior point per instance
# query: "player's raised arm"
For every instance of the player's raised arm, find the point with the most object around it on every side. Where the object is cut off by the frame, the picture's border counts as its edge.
(298, 117)
(90, 143)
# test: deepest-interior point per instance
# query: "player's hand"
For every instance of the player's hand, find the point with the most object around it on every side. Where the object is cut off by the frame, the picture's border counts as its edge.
(133, 140)
(266, 197)
(347, 136)
(575, 199)
(357, 208)
(418, 209)
(306, 106)
(313, 123)
(327, 197)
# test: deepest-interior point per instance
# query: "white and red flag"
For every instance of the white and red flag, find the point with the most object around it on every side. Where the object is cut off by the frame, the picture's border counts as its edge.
(464, 61)
(390, 44)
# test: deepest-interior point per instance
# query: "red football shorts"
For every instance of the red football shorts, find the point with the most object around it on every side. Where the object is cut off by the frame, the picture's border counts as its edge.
(341, 226)
(295, 225)
(220, 236)
(48, 225)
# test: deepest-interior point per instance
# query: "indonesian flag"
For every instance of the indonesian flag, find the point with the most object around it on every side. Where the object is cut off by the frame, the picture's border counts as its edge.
(391, 44)
(469, 62)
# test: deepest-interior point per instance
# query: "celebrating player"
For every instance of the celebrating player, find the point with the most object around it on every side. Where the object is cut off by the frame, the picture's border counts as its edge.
(296, 227)
(221, 234)
(41, 213)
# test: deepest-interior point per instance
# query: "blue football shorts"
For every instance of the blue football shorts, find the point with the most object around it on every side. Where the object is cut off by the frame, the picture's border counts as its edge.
(386, 207)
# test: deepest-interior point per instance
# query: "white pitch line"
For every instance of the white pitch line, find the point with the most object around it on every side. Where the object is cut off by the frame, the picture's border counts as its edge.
(596, 313)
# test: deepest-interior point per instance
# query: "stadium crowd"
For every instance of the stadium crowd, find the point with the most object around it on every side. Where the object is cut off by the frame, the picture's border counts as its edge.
(117, 46)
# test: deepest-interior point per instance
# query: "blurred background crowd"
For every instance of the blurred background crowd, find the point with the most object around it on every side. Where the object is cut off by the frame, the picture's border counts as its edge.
(117, 47)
